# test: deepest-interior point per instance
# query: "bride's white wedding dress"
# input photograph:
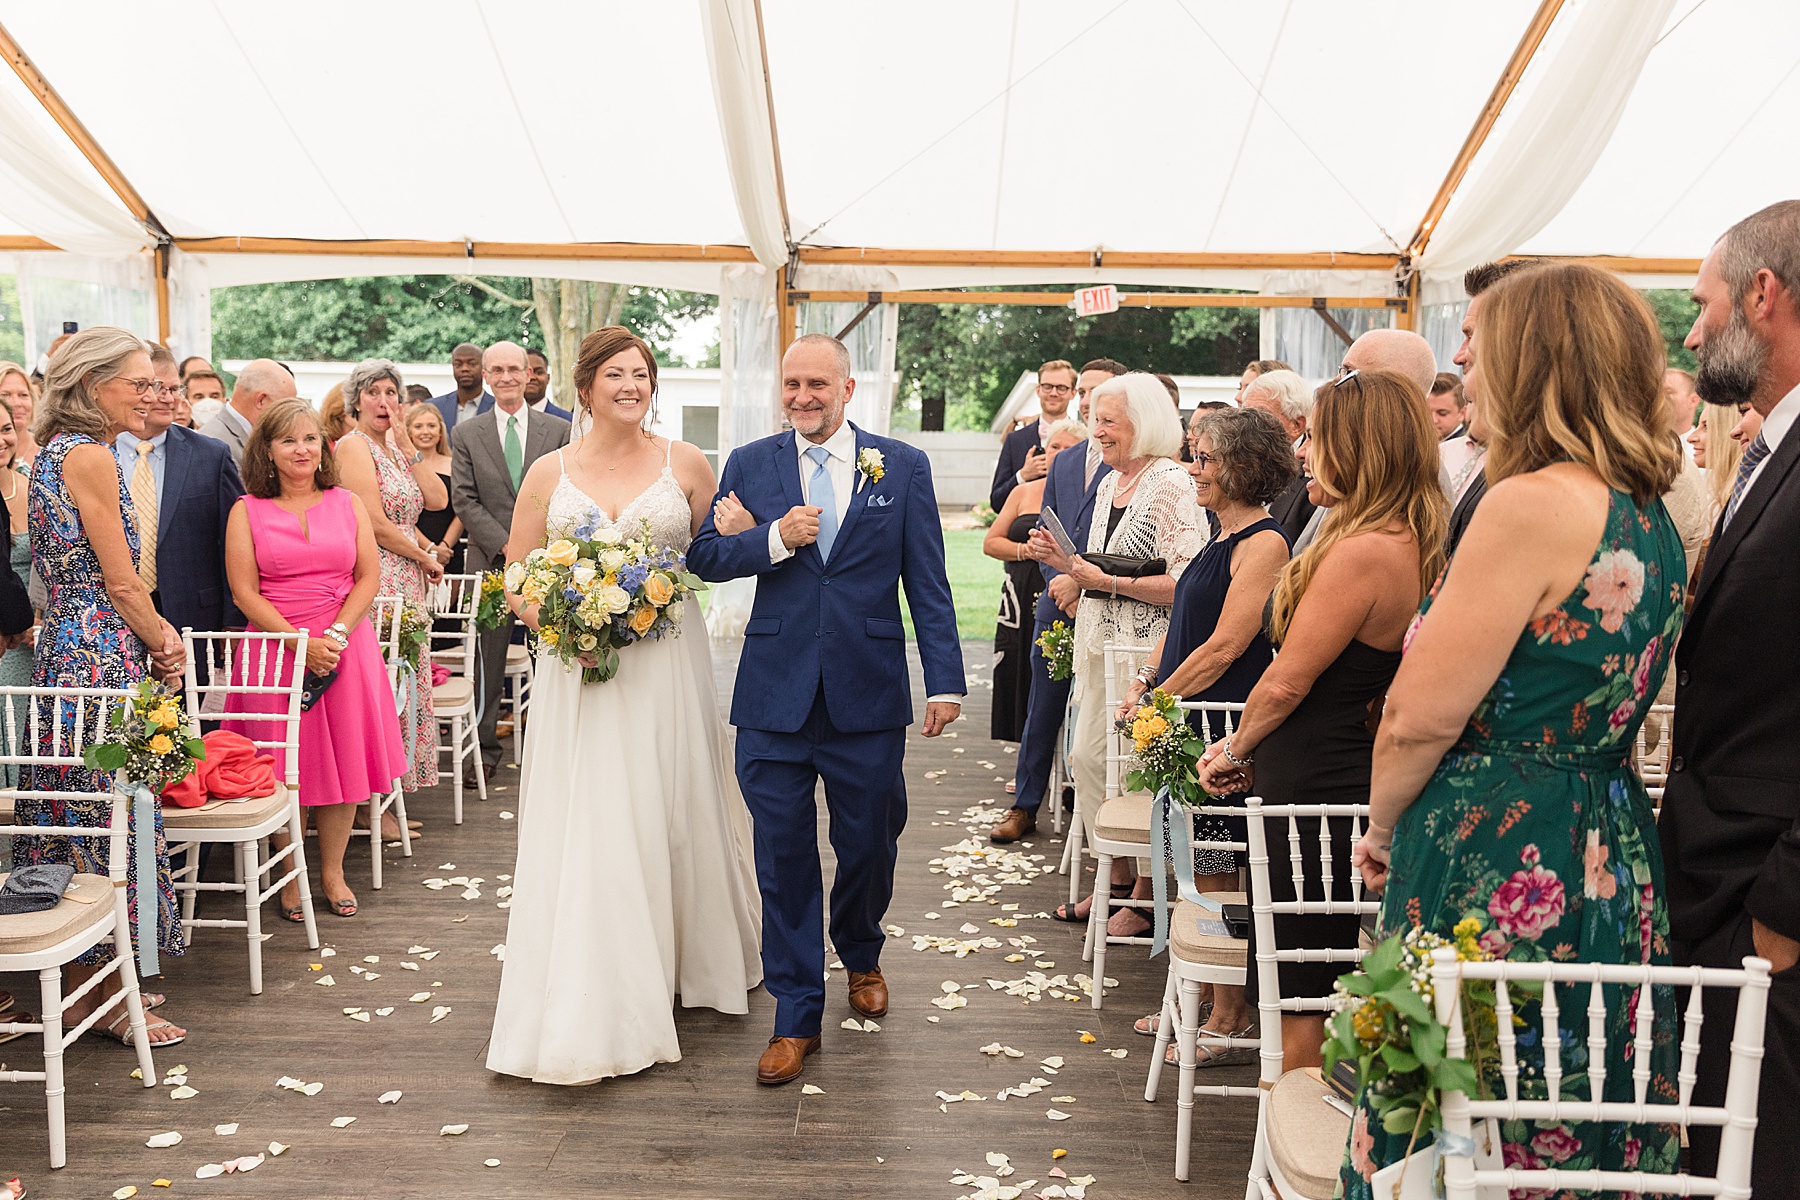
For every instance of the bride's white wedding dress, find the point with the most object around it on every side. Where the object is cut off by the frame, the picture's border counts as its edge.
(635, 882)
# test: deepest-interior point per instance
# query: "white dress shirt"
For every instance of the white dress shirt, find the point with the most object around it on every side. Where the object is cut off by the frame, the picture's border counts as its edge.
(125, 451)
(1775, 427)
(840, 468)
(500, 417)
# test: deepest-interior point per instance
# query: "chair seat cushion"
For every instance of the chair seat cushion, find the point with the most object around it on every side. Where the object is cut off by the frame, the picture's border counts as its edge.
(6, 810)
(1187, 943)
(517, 657)
(1306, 1135)
(1125, 818)
(454, 692)
(86, 902)
(227, 814)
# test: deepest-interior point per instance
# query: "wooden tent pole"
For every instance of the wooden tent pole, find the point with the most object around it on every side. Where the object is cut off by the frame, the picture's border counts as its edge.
(1484, 123)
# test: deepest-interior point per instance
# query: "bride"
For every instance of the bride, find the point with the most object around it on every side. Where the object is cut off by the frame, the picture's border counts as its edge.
(634, 883)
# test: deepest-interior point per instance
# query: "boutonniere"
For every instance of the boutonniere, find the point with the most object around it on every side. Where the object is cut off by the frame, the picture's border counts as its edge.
(869, 465)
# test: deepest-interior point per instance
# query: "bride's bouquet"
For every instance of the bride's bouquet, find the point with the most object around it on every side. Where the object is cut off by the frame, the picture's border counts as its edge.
(599, 591)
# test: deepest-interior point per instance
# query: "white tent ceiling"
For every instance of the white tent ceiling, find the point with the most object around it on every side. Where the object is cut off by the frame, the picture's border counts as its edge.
(948, 128)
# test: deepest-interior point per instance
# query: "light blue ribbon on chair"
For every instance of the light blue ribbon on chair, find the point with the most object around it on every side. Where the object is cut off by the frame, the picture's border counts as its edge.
(143, 855)
(406, 702)
(1163, 853)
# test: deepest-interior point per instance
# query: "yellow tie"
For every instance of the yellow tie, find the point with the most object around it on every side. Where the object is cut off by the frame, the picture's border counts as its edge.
(143, 499)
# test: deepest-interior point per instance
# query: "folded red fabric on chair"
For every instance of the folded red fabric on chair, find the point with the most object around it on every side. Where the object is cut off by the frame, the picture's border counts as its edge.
(440, 675)
(231, 770)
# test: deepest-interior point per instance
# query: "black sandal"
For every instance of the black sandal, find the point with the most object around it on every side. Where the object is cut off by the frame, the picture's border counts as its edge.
(1065, 912)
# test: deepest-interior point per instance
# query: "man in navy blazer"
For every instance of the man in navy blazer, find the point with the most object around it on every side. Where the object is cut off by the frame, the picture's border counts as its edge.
(1022, 451)
(195, 483)
(1069, 491)
(831, 521)
(469, 398)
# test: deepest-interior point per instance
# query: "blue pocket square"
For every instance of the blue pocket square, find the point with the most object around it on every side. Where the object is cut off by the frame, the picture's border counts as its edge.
(880, 501)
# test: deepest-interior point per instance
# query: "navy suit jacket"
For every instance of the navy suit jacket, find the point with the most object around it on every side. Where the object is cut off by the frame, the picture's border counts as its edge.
(1074, 507)
(446, 406)
(16, 615)
(487, 403)
(1014, 450)
(200, 484)
(836, 623)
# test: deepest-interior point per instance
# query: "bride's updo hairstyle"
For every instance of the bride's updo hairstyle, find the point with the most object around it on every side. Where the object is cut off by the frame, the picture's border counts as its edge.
(601, 345)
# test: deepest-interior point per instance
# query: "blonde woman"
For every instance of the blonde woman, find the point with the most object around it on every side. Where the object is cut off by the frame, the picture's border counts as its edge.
(1338, 615)
(20, 401)
(425, 435)
(1145, 510)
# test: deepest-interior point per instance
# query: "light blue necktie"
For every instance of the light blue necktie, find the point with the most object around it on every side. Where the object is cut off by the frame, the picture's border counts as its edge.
(1754, 453)
(819, 492)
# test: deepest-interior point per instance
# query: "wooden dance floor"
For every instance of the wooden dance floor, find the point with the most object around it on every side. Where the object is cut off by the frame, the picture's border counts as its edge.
(701, 1127)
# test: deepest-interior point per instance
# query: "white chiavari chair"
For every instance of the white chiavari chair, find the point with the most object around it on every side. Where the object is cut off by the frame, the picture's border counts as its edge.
(1465, 1179)
(1122, 825)
(224, 670)
(49, 729)
(453, 645)
(521, 673)
(1300, 1136)
(1653, 757)
(384, 613)
(1064, 777)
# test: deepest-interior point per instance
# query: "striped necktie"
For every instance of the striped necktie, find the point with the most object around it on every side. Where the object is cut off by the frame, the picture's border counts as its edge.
(143, 501)
(1754, 453)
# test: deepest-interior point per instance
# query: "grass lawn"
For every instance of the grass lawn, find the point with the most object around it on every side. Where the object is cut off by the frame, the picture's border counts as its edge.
(974, 582)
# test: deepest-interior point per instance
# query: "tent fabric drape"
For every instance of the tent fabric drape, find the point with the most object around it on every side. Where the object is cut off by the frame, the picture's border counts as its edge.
(872, 344)
(1551, 137)
(734, 50)
(50, 192)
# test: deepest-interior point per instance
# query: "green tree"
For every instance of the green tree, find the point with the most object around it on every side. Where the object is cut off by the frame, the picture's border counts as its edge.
(970, 355)
(414, 318)
(1675, 312)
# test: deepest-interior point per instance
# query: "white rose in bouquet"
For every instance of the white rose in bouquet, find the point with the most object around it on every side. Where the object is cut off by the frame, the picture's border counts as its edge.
(515, 576)
(614, 599)
(608, 537)
(582, 573)
(612, 560)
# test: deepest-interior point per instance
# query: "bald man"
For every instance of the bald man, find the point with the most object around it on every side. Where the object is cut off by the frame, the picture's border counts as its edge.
(258, 383)
(1404, 353)
(469, 398)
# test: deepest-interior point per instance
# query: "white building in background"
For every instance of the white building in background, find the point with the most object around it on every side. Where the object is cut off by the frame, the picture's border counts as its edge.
(1021, 404)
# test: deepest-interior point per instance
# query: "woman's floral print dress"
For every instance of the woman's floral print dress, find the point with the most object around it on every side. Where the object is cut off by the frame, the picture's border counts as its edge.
(1537, 826)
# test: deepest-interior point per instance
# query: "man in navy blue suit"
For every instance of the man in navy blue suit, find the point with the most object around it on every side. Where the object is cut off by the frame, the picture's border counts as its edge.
(1022, 452)
(837, 521)
(537, 385)
(469, 398)
(189, 482)
(1069, 493)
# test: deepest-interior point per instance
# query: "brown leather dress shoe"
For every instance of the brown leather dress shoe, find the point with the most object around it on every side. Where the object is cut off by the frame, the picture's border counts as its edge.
(785, 1058)
(1017, 823)
(868, 993)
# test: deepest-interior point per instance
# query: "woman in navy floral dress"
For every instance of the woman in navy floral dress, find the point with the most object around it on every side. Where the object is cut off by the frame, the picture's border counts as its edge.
(1503, 788)
(100, 627)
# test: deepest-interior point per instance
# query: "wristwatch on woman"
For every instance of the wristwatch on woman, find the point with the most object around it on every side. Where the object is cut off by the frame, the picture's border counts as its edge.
(339, 634)
(1146, 675)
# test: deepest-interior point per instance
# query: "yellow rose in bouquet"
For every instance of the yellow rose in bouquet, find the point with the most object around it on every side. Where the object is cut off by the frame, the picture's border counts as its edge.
(658, 589)
(562, 552)
(643, 619)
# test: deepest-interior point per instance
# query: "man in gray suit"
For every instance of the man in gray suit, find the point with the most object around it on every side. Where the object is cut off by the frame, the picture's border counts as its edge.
(489, 457)
(258, 383)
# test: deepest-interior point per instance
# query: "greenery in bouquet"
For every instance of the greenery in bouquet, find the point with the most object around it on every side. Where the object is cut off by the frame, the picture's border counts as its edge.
(152, 747)
(490, 602)
(1058, 646)
(984, 512)
(1167, 751)
(600, 591)
(415, 635)
(1385, 1022)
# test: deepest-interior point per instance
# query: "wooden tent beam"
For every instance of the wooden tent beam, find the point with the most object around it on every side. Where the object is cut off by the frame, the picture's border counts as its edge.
(1088, 260)
(1621, 264)
(411, 248)
(10, 244)
(1484, 122)
(1062, 299)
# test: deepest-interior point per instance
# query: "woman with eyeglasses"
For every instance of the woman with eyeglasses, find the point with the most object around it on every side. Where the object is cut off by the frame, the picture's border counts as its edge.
(100, 628)
(1338, 616)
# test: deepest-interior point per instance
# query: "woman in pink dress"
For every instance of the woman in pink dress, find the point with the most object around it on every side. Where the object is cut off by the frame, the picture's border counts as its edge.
(395, 485)
(300, 554)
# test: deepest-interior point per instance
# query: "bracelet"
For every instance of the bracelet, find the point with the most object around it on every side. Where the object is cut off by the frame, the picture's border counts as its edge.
(1146, 675)
(1115, 586)
(339, 634)
(1234, 760)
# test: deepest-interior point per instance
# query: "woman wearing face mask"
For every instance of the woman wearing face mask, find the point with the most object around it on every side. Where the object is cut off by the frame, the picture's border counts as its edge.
(17, 398)
(395, 486)
(1006, 541)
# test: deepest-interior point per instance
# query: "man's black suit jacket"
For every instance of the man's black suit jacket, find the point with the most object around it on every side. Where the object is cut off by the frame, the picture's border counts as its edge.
(1464, 512)
(1293, 509)
(1014, 450)
(1728, 824)
(15, 606)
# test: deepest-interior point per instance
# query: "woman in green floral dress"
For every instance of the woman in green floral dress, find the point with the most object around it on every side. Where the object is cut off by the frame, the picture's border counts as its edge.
(1503, 783)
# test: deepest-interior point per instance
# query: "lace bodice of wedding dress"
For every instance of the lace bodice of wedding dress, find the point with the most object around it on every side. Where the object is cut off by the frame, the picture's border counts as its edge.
(663, 504)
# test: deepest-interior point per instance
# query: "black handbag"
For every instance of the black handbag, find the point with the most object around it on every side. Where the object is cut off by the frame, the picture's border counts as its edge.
(1123, 566)
(314, 687)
